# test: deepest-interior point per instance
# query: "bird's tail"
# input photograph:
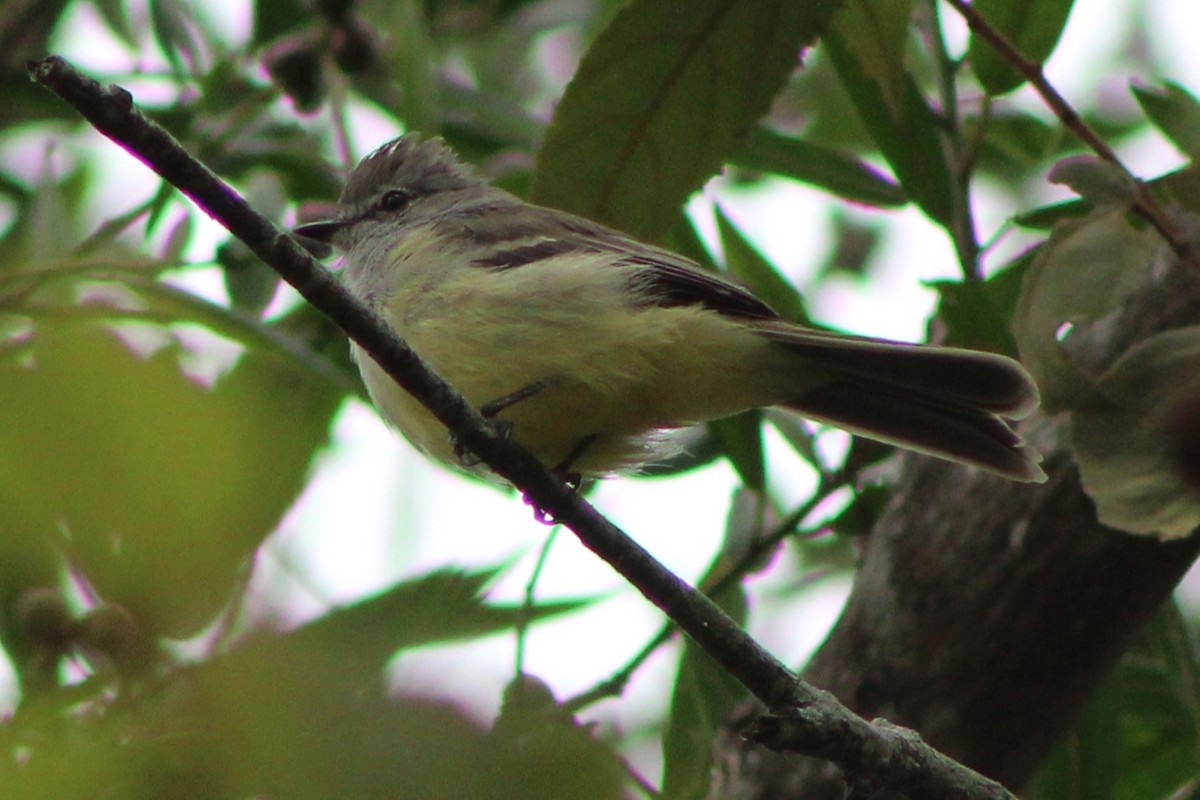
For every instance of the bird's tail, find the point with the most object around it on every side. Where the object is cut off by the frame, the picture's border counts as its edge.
(946, 402)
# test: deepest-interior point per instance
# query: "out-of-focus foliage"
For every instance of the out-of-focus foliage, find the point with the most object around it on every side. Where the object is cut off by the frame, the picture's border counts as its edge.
(143, 468)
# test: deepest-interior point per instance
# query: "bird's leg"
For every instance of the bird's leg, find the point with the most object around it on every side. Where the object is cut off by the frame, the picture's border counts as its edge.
(570, 477)
(489, 411)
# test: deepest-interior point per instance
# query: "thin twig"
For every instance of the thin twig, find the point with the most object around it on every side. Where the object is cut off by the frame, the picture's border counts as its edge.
(855, 745)
(1144, 204)
(712, 585)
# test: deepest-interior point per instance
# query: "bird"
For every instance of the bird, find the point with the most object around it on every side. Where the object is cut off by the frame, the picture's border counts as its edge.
(591, 348)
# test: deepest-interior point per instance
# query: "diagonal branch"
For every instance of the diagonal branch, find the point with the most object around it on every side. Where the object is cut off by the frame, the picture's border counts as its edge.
(1144, 203)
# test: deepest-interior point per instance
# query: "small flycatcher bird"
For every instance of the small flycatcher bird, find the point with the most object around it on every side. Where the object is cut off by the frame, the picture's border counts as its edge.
(591, 346)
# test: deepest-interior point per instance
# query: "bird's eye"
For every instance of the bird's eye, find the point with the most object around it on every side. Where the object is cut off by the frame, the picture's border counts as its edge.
(394, 200)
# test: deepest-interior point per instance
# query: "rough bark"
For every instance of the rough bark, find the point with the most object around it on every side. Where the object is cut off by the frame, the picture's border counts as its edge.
(985, 613)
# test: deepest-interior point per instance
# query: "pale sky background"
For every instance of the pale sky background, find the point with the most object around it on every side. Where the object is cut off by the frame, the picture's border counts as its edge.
(376, 512)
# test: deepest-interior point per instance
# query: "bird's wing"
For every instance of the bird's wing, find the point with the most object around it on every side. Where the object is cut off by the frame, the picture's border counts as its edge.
(523, 234)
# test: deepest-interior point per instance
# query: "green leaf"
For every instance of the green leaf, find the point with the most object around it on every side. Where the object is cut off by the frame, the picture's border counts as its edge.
(274, 18)
(287, 724)
(174, 35)
(661, 99)
(250, 283)
(859, 516)
(740, 437)
(443, 606)
(1085, 763)
(540, 752)
(1174, 111)
(1137, 441)
(746, 262)
(876, 35)
(1032, 26)
(1046, 217)
(888, 101)
(1099, 182)
(116, 16)
(1082, 272)
(1182, 185)
(978, 314)
(856, 241)
(1015, 139)
(703, 697)
(164, 487)
(1137, 738)
(824, 167)
(412, 62)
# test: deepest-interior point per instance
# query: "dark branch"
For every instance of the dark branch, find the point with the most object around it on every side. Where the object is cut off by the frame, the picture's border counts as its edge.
(1144, 203)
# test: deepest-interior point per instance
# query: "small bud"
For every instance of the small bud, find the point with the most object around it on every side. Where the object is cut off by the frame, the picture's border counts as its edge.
(43, 616)
(295, 64)
(113, 631)
(354, 48)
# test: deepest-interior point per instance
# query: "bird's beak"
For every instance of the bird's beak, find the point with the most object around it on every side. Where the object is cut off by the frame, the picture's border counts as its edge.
(316, 237)
(322, 230)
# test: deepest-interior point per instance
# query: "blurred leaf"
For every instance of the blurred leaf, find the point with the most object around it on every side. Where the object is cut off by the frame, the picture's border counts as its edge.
(274, 18)
(26, 34)
(1032, 26)
(175, 36)
(250, 283)
(1174, 111)
(1137, 738)
(539, 752)
(1099, 182)
(295, 66)
(412, 64)
(859, 516)
(703, 698)
(478, 122)
(177, 240)
(116, 16)
(978, 314)
(889, 103)
(661, 99)
(158, 205)
(684, 238)
(443, 606)
(827, 168)
(763, 278)
(255, 725)
(51, 228)
(876, 34)
(164, 488)
(1172, 640)
(740, 437)
(1046, 217)
(1127, 439)
(1018, 138)
(1182, 185)
(704, 694)
(1086, 762)
(855, 246)
(283, 150)
(1080, 274)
